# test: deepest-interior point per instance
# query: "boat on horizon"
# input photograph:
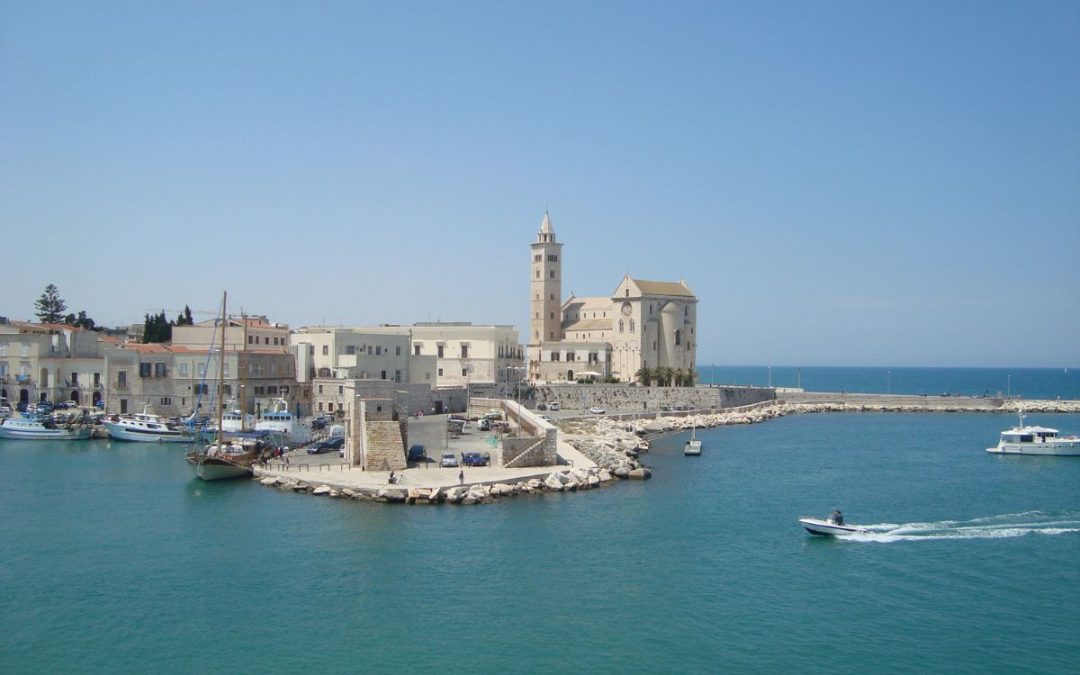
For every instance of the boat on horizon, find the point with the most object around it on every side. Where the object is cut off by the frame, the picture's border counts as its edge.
(1035, 440)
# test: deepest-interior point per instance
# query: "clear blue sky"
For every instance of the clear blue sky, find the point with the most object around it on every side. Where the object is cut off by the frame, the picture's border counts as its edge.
(857, 183)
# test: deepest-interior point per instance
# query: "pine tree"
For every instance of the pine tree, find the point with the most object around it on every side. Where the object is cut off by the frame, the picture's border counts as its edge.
(50, 306)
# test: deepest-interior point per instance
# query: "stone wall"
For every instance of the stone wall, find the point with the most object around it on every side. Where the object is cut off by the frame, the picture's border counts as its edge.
(581, 397)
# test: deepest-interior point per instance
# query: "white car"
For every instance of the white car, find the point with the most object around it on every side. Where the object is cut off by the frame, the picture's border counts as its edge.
(553, 406)
(597, 410)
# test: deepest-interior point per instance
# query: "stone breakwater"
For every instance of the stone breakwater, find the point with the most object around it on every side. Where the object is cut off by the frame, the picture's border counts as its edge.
(569, 480)
(613, 434)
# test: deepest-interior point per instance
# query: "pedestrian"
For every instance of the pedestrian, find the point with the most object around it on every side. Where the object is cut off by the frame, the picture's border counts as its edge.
(461, 477)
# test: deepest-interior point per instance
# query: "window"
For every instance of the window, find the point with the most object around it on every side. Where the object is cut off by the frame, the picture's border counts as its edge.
(440, 349)
(271, 390)
(266, 340)
(121, 379)
(341, 389)
(631, 325)
(226, 390)
(97, 378)
(552, 257)
(537, 274)
(678, 337)
(570, 356)
(551, 274)
(251, 339)
(440, 372)
(416, 350)
(74, 379)
(464, 351)
(183, 369)
(144, 369)
(539, 257)
(378, 350)
(397, 376)
(159, 370)
(202, 370)
(320, 389)
(326, 350)
(628, 292)
(202, 389)
(351, 349)
(397, 350)
(259, 391)
(554, 356)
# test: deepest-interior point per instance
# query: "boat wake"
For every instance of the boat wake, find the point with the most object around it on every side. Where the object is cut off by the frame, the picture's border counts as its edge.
(989, 527)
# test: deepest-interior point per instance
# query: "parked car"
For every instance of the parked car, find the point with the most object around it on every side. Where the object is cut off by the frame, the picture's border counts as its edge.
(320, 422)
(329, 445)
(475, 458)
(493, 416)
(448, 460)
(597, 410)
(541, 406)
(553, 406)
(483, 424)
(417, 453)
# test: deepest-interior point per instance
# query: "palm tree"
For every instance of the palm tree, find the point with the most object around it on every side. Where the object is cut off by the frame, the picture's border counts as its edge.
(664, 375)
(645, 376)
(689, 375)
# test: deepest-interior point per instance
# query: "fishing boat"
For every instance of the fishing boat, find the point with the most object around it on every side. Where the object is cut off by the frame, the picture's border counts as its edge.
(43, 428)
(833, 526)
(280, 420)
(1034, 440)
(148, 427)
(693, 445)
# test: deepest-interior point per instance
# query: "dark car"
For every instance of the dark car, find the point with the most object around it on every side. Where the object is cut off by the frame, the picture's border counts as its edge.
(320, 422)
(417, 453)
(329, 445)
(475, 458)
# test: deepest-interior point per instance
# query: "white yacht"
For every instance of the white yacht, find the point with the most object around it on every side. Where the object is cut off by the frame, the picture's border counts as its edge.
(281, 421)
(1025, 440)
(147, 427)
(35, 427)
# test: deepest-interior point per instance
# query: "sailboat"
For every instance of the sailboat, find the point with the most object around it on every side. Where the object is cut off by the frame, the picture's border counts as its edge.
(224, 458)
(693, 445)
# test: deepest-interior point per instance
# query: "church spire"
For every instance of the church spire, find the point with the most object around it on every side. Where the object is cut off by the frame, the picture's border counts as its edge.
(547, 232)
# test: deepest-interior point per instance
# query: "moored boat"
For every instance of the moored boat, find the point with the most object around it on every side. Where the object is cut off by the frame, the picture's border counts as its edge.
(1035, 440)
(43, 428)
(280, 420)
(148, 427)
(693, 445)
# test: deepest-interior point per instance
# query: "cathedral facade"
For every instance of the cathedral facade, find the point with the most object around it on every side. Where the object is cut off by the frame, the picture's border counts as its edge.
(642, 324)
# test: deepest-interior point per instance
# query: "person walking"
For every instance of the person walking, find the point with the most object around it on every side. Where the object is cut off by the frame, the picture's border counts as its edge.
(461, 477)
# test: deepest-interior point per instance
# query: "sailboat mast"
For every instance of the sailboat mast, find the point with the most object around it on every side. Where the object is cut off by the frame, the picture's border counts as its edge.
(243, 372)
(221, 371)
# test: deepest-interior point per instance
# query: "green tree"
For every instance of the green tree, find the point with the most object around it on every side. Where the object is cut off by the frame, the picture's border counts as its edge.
(50, 306)
(157, 328)
(185, 319)
(664, 375)
(644, 376)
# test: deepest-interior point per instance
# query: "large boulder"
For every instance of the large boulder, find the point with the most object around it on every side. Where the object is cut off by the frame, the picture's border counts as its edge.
(270, 481)
(321, 490)
(640, 473)
(553, 482)
(395, 495)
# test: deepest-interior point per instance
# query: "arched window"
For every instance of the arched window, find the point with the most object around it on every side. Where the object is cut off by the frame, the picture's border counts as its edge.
(631, 325)
(620, 325)
(678, 336)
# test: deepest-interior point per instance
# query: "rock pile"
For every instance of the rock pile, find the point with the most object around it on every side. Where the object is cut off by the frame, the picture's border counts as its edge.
(569, 480)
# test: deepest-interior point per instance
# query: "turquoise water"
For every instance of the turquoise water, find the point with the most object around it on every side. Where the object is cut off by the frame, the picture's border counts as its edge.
(115, 560)
(1030, 383)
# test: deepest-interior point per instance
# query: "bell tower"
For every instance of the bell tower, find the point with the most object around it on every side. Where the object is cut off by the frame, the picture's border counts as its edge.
(545, 304)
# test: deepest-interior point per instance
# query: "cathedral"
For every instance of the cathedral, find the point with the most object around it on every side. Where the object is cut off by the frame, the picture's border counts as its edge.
(642, 324)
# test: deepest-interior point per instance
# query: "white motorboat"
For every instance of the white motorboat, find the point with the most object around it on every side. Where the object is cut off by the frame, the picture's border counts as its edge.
(40, 428)
(1031, 440)
(828, 527)
(148, 427)
(281, 421)
(693, 445)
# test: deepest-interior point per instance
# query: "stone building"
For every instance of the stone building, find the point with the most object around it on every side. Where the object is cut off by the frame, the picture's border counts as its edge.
(468, 355)
(50, 362)
(642, 324)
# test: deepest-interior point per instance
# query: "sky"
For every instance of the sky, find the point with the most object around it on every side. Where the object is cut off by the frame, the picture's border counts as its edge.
(840, 183)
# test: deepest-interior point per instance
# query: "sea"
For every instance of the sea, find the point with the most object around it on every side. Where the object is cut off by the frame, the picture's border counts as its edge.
(113, 558)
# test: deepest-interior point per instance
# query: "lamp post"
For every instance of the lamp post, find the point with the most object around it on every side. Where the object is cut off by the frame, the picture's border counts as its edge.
(888, 381)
